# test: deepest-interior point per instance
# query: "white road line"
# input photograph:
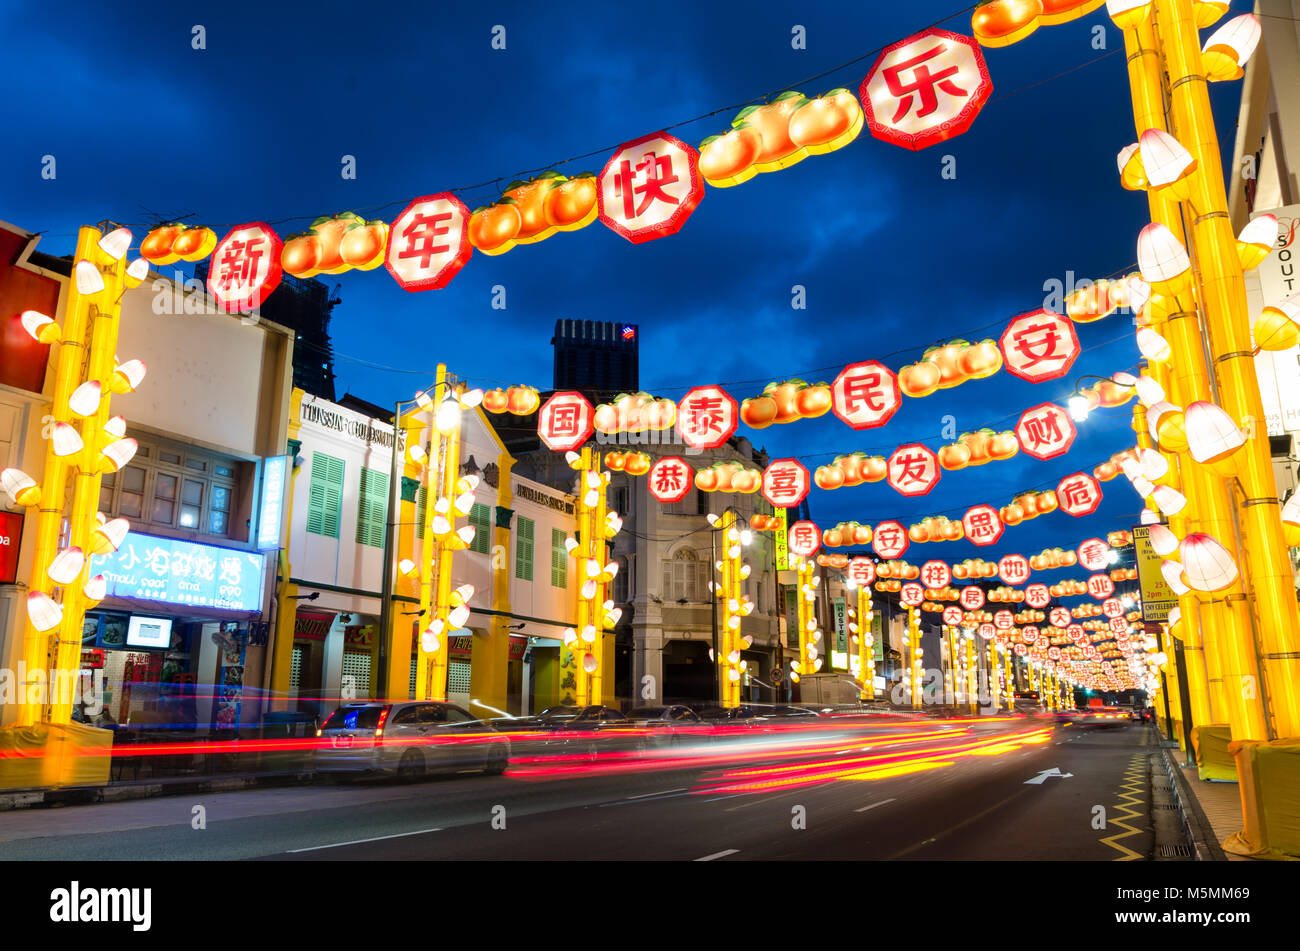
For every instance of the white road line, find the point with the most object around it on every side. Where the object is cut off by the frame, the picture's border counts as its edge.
(874, 804)
(664, 793)
(718, 855)
(378, 838)
(759, 801)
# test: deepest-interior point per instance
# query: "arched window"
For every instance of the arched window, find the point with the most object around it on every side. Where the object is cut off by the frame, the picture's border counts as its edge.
(685, 577)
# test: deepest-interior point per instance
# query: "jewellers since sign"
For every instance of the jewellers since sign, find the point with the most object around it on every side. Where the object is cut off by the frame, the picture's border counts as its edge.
(542, 498)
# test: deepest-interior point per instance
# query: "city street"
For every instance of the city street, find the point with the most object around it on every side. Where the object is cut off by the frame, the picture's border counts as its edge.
(1005, 801)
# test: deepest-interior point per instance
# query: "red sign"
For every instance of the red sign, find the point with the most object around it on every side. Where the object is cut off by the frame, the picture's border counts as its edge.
(925, 89)
(649, 187)
(1094, 554)
(889, 540)
(1004, 620)
(1119, 625)
(861, 571)
(707, 417)
(982, 524)
(1013, 569)
(245, 267)
(912, 594)
(1060, 617)
(1111, 607)
(1037, 596)
(11, 537)
(1076, 633)
(429, 242)
(565, 421)
(785, 483)
(670, 479)
(972, 597)
(913, 469)
(865, 395)
(1079, 494)
(953, 616)
(1046, 431)
(803, 539)
(1101, 586)
(936, 574)
(987, 630)
(1040, 345)
(1029, 633)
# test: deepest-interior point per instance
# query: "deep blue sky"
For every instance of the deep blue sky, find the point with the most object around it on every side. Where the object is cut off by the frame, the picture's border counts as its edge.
(893, 257)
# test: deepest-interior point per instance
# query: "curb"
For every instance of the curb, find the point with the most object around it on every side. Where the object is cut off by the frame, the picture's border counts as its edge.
(122, 792)
(1200, 836)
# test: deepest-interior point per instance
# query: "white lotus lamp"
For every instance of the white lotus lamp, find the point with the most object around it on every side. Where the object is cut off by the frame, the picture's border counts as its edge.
(1163, 260)
(40, 328)
(1207, 565)
(44, 612)
(1212, 436)
(1163, 541)
(1225, 53)
(1256, 241)
(1166, 162)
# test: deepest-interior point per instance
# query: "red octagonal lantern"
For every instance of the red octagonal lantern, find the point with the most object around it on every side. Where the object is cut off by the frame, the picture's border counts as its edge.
(1013, 569)
(1078, 494)
(245, 267)
(1060, 617)
(1037, 596)
(803, 539)
(1101, 586)
(1112, 607)
(1046, 431)
(936, 574)
(1040, 345)
(972, 597)
(565, 421)
(861, 571)
(785, 483)
(670, 478)
(649, 187)
(911, 594)
(1094, 554)
(925, 89)
(889, 540)
(707, 417)
(953, 616)
(865, 394)
(987, 630)
(1004, 620)
(913, 469)
(429, 242)
(982, 525)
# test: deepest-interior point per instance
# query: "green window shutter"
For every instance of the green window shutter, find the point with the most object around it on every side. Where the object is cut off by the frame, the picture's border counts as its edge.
(479, 518)
(559, 559)
(419, 511)
(325, 495)
(372, 508)
(524, 550)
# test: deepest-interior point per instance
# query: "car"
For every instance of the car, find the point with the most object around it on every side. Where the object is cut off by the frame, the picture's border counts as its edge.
(588, 730)
(784, 710)
(727, 716)
(668, 725)
(408, 739)
(1105, 717)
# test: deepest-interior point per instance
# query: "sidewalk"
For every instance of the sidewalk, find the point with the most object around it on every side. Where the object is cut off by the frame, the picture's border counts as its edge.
(1214, 810)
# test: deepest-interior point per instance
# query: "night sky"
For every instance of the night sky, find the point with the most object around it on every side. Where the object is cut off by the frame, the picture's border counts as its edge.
(893, 257)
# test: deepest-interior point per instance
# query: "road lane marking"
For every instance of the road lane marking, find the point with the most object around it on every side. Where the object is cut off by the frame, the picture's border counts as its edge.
(664, 793)
(718, 855)
(882, 802)
(769, 798)
(1135, 780)
(378, 838)
(1047, 774)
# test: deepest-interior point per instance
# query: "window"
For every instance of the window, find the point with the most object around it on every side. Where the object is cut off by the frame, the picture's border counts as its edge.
(177, 488)
(622, 592)
(372, 508)
(559, 559)
(325, 497)
(480, 518)
(524, 550)
(685, 577)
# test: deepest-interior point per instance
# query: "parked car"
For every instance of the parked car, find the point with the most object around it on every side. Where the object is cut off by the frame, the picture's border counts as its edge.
(408, 739)
(589, 730)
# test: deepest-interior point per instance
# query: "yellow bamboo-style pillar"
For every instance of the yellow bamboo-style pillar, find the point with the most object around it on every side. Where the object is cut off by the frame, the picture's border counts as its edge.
(972, 673)
(1226, 632)
(1222, 294)
(806, 616)
(286, 608)
(587, 654)
(87, 473)
(866, 645)
(431, 662)
(53, 482)
(449, 475)
(917, 672)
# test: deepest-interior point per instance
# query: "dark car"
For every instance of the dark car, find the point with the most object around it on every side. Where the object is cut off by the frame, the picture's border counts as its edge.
(595, 729)
(784, 711)
(668, 725)
(409, 738)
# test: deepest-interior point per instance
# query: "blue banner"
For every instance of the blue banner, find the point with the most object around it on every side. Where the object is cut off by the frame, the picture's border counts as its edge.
(149, 568)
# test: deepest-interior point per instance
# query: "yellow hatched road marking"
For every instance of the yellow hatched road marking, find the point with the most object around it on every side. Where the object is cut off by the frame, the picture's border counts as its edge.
(1135, 778)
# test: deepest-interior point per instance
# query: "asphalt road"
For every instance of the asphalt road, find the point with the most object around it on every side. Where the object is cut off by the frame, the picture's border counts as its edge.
(1016, 789)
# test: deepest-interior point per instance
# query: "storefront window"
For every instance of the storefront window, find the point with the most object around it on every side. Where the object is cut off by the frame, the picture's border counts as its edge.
(184, 489)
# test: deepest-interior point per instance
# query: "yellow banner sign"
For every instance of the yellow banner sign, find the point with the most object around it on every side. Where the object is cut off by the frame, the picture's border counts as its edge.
(1158, 599)
(782, 549)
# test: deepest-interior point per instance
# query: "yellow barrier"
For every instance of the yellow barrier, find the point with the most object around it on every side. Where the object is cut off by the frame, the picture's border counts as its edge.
(46, 755)
(1270, 799)
(1213, 761)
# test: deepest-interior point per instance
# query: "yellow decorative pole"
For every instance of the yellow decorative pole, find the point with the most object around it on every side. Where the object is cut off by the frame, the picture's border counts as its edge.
(866, 644)
(994, 692)
(807, 620)
(1218, 644)
(1222, 294)
(917, 655)
(972, 671)
(583, 656)
(735, 606)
